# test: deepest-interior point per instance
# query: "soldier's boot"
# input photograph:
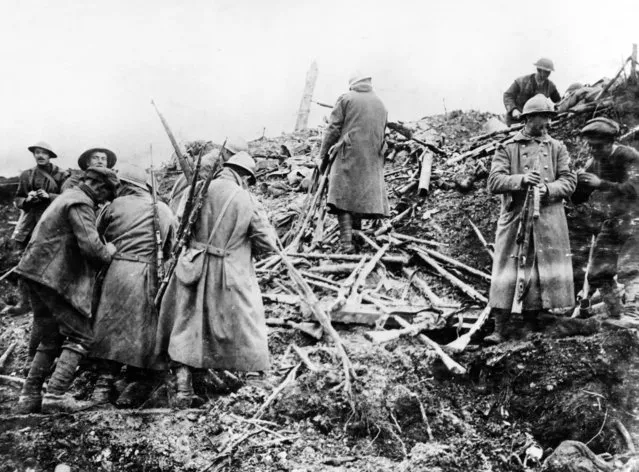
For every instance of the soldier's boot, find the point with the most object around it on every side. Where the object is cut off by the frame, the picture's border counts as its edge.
(107, 372)
(632, 298)
(529, 324)
(58, 399)
(185, 393)
(139, 389)
(30, 399)
(24, 305)
(611, 295)
(345, 221)
(499, 334)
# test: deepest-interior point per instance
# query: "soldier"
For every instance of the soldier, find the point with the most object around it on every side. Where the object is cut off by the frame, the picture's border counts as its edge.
(95, 157)
(60, 265)
(526, 87)
(37, 188)
(355, 139)
(611, 182)
(533, 158)
(126, 319)
(212, 160)
(212, 315)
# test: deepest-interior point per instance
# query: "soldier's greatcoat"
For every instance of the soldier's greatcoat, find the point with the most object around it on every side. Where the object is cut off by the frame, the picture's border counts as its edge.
(212, 314)
(551, 282)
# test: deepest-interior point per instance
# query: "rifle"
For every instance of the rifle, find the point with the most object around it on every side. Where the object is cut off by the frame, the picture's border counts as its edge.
(187, 228)
(529, 213)
(159, 259)
(176, 249)
(583, 302)
(184, 164)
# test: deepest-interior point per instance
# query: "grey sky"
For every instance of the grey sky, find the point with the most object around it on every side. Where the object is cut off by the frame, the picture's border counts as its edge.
(82, 74)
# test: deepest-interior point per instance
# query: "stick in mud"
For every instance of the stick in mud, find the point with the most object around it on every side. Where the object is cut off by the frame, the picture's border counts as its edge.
(461, 343)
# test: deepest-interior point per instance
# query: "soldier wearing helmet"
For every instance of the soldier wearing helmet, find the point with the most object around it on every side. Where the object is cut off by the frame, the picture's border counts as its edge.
(212, 315)
(94, 157)
(125, 320)
(532, 158)
(526, 87)
(610, 183)
(37, 188)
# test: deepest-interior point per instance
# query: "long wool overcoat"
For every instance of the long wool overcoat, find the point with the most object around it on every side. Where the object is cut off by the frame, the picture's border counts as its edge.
(126, 318)
(552, 282)
(218, 322)
(356, 129)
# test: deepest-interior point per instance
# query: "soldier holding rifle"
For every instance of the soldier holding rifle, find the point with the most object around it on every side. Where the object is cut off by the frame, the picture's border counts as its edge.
(532, 269)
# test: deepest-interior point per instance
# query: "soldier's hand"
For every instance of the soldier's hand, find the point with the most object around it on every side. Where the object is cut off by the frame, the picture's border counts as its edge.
(111, 249)
(31, 196)
(42, 194)
(532, 178)
(543, 191)
(589, 180)
(516, 114)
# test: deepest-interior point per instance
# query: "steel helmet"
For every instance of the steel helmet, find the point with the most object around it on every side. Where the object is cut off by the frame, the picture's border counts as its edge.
(243, 160)
(236, 144)
(544, 64)
(539, 104)
(134, 175)
(83, 160)
(42, 145)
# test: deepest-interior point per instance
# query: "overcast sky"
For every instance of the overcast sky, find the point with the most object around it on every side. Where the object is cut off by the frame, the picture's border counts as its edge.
(82, 74)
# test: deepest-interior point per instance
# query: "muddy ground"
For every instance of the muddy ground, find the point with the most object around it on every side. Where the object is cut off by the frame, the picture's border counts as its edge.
(407, 413)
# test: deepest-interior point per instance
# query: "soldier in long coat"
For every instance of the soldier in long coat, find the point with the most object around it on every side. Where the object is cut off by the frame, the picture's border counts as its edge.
(59, 265)
(37, 188)
(526, 87)
(212, 315)
(610, 182)
(533, 158)
(125, 323)
(355, 139)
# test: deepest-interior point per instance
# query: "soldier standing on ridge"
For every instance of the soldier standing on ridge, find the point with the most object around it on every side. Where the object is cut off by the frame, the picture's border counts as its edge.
(212, 315)
(526, 87)
(59, 265)
(126, 318)
(37, 188)
(533, 158)
(611, 183)
(355, 138)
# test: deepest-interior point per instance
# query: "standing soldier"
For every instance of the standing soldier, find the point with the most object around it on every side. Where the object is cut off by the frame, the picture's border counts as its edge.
(126, 318)
(526, 87)
(355, 139)
(533, 158)
(37, 188)
(95, 157)
(212, 315)
(611, 182)
(59, 266)
(210, 162)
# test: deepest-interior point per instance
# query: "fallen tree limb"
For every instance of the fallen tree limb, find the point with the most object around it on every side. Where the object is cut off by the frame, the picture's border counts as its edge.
(290, 378)
(13, 381)
(304, 358)
(6, 354)
(463, 286)
(446, 359)
(405, 237)
(349, 257)
(461, 343)
(385, 336)
(481, 238)
(427, 291)
(456, 263)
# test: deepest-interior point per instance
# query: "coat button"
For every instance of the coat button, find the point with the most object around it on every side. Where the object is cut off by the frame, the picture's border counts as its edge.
(545, 167)
(545, 179)
(525, 167)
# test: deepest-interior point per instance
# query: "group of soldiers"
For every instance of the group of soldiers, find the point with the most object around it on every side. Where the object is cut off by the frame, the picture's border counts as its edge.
(92, 245)
(90, 267)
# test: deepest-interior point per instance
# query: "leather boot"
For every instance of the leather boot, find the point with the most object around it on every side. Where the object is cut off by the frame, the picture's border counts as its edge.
(529, 325)
(611, 295)
(30, 399)
(345, 221)
(632, 298)
(57, 398)
(499, 334)
(107, 372)
(185, 393)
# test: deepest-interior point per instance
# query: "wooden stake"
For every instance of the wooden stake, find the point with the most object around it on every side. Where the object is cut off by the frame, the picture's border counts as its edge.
(305, 105)
(424, 174)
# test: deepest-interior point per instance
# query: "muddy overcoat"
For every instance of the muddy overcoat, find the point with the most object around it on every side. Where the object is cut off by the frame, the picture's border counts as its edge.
(126, 319)
(65, 251)
(552, 284)
(357, 125)
(215, 319)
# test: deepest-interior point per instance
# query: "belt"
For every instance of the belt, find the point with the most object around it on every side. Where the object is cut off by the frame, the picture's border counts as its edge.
(132, 258)
(210, 249)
